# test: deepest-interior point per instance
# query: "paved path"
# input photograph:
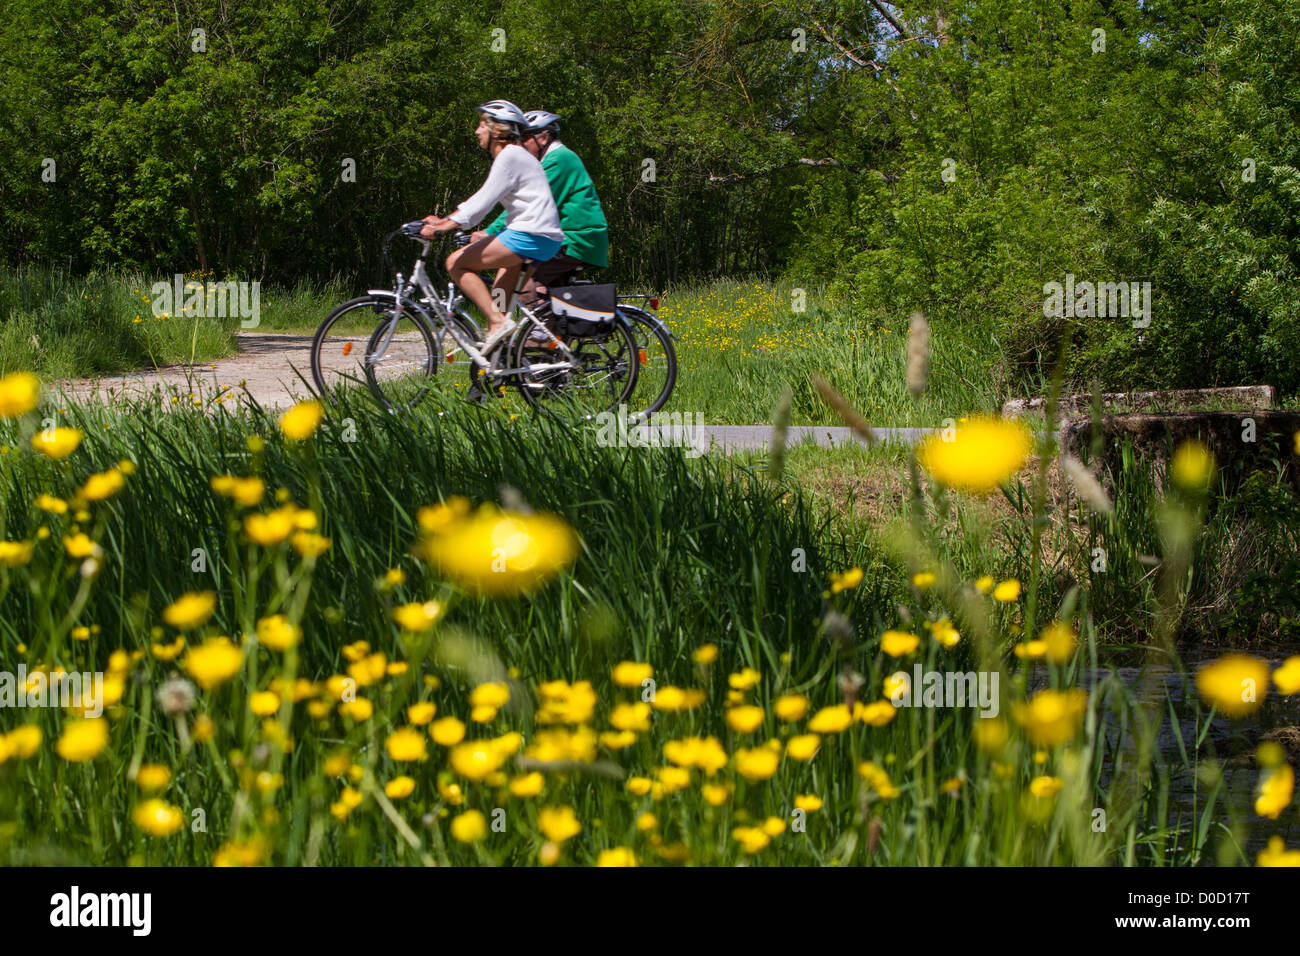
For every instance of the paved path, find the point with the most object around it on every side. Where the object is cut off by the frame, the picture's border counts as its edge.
(269, 366)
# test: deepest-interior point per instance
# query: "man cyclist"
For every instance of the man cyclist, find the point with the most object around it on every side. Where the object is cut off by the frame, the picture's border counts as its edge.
(531, 222)
(586, 235)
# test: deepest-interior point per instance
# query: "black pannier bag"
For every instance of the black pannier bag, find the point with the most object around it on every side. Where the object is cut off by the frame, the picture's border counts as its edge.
(583, 309)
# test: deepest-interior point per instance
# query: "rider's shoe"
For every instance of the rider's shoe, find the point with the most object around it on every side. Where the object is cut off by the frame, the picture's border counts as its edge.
(497, 336)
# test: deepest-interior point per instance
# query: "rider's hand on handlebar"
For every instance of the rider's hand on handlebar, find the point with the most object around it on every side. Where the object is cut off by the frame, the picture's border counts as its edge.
(437, 225)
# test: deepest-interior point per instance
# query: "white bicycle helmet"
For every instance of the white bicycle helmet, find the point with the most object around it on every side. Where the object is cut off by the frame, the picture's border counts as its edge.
(539, 120)
(503, 111)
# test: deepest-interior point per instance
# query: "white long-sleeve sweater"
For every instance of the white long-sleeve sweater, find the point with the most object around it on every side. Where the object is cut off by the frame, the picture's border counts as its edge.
(518, 182)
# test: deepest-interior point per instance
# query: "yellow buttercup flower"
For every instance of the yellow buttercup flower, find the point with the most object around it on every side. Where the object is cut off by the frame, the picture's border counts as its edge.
(57, 443)
(638, 786)
(878, 713)
(469, 827)
(632, 673)
(558, 824)
(631, 716)
(82, 740)
(831, 720)
(359, 710)
(475, 759)
(923, 580)
(790, 707)
(300, 422)
(264, 703)
(745, 719)
(447, 732)
(808, 802)
(1045, 787)
(705, 654)
(529, 785)
(19, 394)
(618, 856)
(984, 584)
(1287, 677)
(1275, 791)
(157, 817)
(399, 788)
(15, 554)
(271, 528)
(1192, 467)
(55, 506)
(1007, 591)
(102, 485)
(1051, 717)
(213, 662)
(191, 611)
(421, 713)
(406, 744)
(1276, 854)
(152, 776)
(760, 763)
(983, 454)
(945, 633)
(417, 617)
(496, 552)
(277, 633)
(803, 747)
(1059, 640)
(751, 839)
(846, 580)
(878, 778)
(899, 643)
(23, 741)
(745, 679)
(247, 492)
(677, 698)
(1235, 684)
(494, 694)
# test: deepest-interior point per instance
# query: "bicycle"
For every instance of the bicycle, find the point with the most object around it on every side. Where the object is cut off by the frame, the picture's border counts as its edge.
(410, 335)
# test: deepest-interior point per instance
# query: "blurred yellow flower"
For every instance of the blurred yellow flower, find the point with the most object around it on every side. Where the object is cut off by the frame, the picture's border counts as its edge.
(1007, 591)
(803, 747)
(1192, 467)
(1045, 787)
(751, 839)
(1050, 717)
(301, 421)
(790, 707)
(923, 580)
(1275, 791)
(638, 786)
(1287, 677)
(745, 719)
(399, 788)
(53, 505)
(19, 394)
(23, 741)
(831, 720)
(191, 610)
(421, 713)
(1276, 854)
(1235, 684)
(1059, 640)
(406, 744)
(899, 643)
(529, 785)
(213, 662)
(358, 710)
(57, 443)
(158, 818)
(982, 454)
(469, 827)
(496, 552)
(417, 617)
(878, 713)
(558, 824)
(475, 759)
(631, 673)
(943, 632)
(277, 633)
(264, 703)
(745, 679)
(758, 764)
(447, 731)
(102, 485)
(705, 654)
(82, 740)
(14, 554)
(152, 776)
(618, 856)
(845, 581)
(807, 802)
(630, 716)
(677, 698)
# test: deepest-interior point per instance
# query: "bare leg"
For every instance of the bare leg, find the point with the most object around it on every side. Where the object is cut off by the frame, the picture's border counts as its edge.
(489, 253)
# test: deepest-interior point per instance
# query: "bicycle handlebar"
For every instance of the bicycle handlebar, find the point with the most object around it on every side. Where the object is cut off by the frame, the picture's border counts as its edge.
(412, 231)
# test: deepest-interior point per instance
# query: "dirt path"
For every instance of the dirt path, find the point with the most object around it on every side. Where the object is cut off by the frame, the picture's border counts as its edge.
(268, 366)
(274, 370)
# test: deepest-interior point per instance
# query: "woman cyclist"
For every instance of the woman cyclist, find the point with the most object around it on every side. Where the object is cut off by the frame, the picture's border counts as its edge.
(532, 231)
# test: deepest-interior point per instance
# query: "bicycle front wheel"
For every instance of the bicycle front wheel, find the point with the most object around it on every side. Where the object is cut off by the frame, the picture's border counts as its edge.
(373, 341)
(598, 374)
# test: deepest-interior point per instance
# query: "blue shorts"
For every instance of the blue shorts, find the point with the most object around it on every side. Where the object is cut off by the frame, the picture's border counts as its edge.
(529, 245)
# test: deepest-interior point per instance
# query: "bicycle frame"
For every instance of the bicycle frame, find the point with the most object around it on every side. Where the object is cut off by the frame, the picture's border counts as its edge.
(404, 288)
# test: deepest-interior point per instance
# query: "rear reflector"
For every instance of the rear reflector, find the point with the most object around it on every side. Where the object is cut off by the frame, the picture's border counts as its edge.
(640, 354)
(654, 302)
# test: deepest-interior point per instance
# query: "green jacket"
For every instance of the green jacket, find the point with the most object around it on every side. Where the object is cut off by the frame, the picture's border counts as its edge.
(586, 235)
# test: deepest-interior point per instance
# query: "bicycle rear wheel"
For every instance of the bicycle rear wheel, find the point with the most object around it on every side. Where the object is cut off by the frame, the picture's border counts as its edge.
(656, 363)
(343, 346)
(600, 375)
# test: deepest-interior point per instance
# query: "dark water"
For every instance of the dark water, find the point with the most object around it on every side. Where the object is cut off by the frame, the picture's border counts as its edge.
(1230, 744)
